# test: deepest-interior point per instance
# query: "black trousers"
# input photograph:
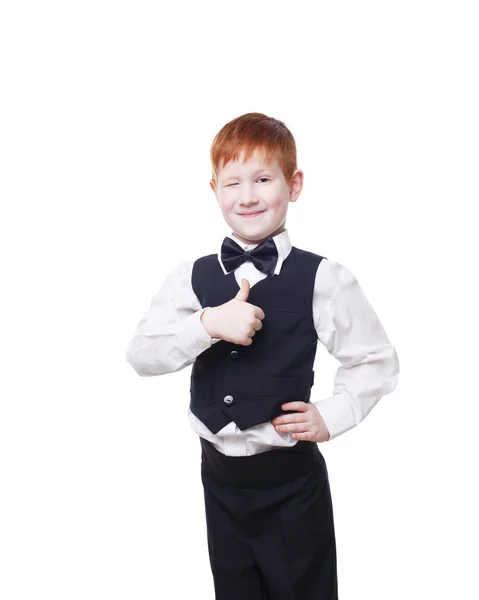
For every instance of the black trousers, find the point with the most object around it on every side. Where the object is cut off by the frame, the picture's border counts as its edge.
(270, 524)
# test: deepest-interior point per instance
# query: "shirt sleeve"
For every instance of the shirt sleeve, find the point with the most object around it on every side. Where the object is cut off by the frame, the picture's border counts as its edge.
(170, 335)
(350, 330)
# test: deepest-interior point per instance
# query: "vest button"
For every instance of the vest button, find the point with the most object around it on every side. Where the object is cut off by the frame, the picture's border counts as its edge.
(234, 354)
(228, 399)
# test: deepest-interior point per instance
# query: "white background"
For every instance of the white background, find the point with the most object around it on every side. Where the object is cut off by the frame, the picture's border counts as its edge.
(108, 110)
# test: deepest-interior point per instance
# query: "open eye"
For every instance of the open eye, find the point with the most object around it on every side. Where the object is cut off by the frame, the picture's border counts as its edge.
(263, 178)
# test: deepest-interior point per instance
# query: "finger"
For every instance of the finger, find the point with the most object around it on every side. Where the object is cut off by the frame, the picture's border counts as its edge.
(259, 312)
(298, 427)
(301, 406)
(257, 324)
(305, 437)
(291, 418)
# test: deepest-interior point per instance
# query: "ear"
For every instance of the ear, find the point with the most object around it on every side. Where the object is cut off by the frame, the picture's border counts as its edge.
(296, 185)
(213, 187)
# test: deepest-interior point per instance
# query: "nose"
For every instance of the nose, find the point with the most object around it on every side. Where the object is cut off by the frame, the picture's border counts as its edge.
(247, 196)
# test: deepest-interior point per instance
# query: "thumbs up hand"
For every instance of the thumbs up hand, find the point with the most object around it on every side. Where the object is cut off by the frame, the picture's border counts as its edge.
(244, 291)
(236, 321)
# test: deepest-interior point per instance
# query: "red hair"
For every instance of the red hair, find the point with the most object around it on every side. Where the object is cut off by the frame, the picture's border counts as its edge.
(254, 132)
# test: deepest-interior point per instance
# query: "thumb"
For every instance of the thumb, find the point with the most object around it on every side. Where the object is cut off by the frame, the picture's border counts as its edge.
(243, 292)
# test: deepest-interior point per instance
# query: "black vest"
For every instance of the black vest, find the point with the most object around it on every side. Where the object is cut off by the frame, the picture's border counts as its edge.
(248, 384)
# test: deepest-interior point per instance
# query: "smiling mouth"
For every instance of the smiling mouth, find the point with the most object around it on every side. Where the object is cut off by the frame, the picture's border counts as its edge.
(252, 214)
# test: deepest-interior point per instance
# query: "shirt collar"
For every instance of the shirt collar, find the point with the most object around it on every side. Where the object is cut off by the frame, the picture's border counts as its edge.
(283, 245)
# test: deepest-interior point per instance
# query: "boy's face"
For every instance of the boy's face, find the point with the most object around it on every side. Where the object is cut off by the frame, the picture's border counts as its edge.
(255, 187)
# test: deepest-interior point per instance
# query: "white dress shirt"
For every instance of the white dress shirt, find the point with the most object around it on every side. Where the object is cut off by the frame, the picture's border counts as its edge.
(171, 335)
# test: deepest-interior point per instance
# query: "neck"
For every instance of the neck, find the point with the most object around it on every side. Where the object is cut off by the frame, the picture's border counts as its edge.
(247, 241)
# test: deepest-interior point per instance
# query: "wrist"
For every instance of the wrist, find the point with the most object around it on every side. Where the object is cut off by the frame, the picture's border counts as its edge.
(206, 320)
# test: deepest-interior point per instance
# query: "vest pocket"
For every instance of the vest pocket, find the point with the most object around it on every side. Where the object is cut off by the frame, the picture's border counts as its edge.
(292, 303)
(285, 387)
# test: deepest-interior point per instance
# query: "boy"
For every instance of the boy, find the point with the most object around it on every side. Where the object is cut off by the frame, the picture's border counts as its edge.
(248, 319)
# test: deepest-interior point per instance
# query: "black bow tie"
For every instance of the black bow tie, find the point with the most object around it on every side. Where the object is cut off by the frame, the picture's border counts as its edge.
(264, 256)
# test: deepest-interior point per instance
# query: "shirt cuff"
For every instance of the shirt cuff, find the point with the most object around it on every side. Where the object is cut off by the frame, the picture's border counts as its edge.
(192, 336)
(337, 415)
